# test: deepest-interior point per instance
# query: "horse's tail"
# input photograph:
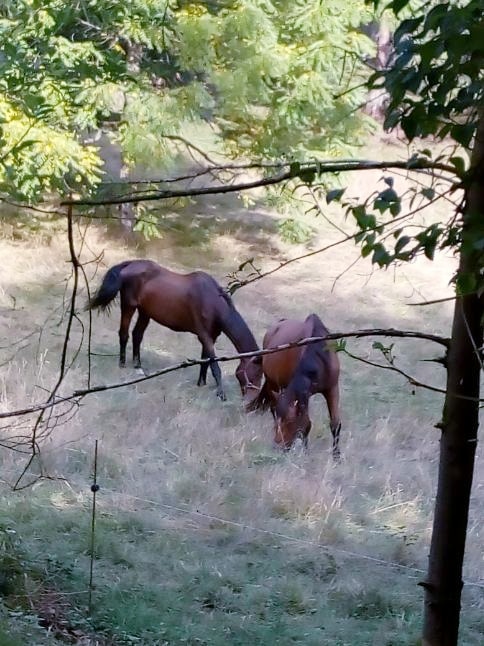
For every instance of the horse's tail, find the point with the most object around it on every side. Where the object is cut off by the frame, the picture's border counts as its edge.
(262, 402)
(109, 288)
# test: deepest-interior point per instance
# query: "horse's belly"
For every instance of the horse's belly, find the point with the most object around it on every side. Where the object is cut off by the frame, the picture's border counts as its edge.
(168, 309)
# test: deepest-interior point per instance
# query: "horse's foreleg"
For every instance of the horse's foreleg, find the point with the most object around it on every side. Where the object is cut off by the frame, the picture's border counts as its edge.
(138, 332)
(202, 379)
(332, 399)
(217, 375)
(127, 312)
(209, 349)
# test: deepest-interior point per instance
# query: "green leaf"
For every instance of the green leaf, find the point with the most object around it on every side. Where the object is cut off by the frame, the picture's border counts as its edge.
(401, 243)
(380, 255)
(428, 192)
(307, 175)
(463, 133)
(334, 195)
(398, 5)
(395, 208)
(459, 164)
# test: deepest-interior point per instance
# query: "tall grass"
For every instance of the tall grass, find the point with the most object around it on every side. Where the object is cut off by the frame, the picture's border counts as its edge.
(204, 534)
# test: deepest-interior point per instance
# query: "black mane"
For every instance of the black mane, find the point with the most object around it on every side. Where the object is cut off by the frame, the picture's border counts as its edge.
(299, 388)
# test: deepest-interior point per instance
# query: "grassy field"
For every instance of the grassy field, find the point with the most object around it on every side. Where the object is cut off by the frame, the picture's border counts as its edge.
(204, 534)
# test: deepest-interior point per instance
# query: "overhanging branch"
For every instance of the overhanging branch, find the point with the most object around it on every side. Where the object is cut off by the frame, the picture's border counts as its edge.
(188, 363)
(294, 170)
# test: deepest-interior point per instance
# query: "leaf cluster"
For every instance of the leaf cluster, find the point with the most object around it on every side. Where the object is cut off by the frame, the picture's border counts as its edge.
(269, 76)
(387, 229)
(435, 80)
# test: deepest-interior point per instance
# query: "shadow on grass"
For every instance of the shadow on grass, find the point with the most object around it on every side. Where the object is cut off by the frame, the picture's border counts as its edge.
(201, 222)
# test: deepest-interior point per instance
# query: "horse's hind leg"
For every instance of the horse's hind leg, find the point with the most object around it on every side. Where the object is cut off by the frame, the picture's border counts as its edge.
(138, 332)
(332, 399)
(127, 312)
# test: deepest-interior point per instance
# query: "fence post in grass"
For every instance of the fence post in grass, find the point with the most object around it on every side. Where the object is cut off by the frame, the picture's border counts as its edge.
(94, 489)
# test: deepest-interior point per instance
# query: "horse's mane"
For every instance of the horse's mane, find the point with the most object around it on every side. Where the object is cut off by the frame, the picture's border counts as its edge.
(234, 326)
(262, 401)
(307, 369)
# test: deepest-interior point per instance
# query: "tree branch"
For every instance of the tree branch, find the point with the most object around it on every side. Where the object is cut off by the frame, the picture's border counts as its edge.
(293, 171)
(390, 366)
(188, 363)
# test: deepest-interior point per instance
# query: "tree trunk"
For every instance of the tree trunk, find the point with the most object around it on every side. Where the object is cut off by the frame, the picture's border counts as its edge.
(380, 33)
(459, 436)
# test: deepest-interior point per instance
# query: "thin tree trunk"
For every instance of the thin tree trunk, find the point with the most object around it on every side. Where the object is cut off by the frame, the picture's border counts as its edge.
(459, 437)
(377, 100)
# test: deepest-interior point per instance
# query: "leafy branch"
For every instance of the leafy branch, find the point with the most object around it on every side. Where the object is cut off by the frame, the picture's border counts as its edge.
(307, 172)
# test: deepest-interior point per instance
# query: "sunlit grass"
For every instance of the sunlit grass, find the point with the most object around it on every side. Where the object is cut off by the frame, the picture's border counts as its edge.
(204, 534)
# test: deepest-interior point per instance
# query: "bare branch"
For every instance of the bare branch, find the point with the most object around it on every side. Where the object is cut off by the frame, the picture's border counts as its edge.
(390, 366)
(62, 369)
(78, 394)
(434, 302)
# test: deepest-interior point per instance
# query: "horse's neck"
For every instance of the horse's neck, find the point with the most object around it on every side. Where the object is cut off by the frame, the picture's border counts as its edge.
(238, 332)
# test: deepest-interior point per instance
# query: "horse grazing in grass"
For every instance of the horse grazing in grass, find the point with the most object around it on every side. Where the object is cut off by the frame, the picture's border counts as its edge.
(182, 302)
(293, 375)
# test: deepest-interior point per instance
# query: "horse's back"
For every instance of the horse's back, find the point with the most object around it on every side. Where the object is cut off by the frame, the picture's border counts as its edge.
(183, 302)
(316, 359)
(320, 358)
(280, 367)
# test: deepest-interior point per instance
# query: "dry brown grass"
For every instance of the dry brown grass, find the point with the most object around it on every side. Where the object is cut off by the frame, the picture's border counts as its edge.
(166, 445)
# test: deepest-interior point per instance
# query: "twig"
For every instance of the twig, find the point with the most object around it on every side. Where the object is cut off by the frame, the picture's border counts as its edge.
(434, 302)
(412, 380)
(62, 369)
(94, 489)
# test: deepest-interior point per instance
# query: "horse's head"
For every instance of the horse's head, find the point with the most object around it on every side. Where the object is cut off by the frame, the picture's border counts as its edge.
(249, 375)
(291, 421)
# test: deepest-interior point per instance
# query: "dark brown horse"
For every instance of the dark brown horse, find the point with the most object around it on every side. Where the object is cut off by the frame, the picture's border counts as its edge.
(293, 375)
(182, 302)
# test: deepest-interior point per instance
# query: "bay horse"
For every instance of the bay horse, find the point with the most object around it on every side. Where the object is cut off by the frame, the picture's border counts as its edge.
(293, 375)
(192, 302)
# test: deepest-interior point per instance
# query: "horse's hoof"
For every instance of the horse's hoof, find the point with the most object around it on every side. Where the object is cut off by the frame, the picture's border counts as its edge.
(122, 364)
(137, 365)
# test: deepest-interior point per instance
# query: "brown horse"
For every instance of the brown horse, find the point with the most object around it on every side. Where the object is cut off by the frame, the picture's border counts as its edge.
(293, 375)
(182, 302)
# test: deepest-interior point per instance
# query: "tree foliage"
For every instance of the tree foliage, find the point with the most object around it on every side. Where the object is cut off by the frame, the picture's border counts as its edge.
(436, 86)
(435, 83)
(269, 76)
